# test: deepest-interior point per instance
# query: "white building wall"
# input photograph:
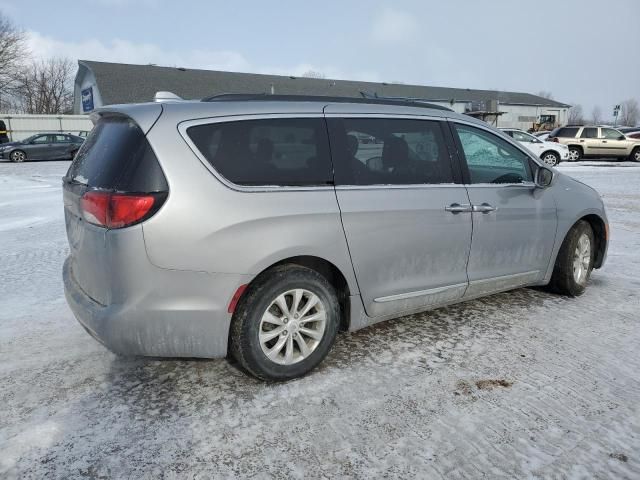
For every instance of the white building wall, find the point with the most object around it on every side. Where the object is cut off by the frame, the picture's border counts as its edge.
(20, 127)
(516, 116)
(524, 116)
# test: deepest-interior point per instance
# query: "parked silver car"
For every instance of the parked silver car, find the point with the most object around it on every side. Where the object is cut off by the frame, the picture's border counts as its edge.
(260, 226)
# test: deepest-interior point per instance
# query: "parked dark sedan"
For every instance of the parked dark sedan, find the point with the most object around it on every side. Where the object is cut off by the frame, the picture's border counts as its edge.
(43, 146)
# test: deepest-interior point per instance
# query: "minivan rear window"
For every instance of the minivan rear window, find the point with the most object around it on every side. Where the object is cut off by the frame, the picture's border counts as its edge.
(278, 152)
(117, 156)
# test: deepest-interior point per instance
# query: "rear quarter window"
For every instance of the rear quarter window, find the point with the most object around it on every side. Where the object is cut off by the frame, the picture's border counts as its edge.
(269, 152)
(117, 156)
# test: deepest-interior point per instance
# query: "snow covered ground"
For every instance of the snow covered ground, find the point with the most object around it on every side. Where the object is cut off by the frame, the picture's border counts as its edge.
(522, 384)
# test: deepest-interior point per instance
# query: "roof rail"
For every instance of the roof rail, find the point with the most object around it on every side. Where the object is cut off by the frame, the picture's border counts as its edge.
(166, 97)
(240, 97)
(413, 100)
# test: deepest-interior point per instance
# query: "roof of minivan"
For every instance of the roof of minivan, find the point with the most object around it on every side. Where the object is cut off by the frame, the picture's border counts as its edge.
(127, 83)
(145, 114)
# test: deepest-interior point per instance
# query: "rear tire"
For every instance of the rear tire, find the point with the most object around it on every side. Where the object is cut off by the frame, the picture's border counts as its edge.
(635, 155)
(574, 262)
(18, 156)
(550, 158)
(575, 154)
(272, 336)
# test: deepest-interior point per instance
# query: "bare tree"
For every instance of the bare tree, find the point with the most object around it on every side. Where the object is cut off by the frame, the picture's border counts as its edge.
(629, 112)
(313, 74)
(13, 51)
(45, 86)
(596, 115)
(545, 94)
(575, 115)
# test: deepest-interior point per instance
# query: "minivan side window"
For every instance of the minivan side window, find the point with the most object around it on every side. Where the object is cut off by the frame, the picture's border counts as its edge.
(490, 159)
(389, 151)
(268, 152)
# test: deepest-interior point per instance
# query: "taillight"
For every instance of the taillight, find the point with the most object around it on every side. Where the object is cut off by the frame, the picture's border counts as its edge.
(118, 210)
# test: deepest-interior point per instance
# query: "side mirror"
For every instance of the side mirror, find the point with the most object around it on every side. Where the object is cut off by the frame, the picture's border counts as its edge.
(544, 177)
(622, 137)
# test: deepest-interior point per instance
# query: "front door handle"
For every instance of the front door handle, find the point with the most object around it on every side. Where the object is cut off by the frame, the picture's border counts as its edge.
(457, 208)
(484, 208)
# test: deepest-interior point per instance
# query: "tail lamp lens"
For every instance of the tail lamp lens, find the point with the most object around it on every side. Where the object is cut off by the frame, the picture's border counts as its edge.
(116, 210)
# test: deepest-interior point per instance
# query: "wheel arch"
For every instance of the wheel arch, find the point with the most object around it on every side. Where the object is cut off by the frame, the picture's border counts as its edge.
(600, 233)
(328, 270)
(17, 150)
(550, 150)
(579, 147)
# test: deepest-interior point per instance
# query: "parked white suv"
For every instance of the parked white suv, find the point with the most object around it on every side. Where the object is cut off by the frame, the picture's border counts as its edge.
(549, 152)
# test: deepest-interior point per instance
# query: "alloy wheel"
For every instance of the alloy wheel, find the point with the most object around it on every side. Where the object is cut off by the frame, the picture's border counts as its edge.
(550, 159)
(17, 156)
(574, 155)
(582, 259)
(292, 327)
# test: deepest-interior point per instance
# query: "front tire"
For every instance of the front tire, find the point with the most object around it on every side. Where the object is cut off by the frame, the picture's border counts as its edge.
(550, 158)
(575, 154)
(18, 156)
(635, 155)
(574, 263)
(285, 323)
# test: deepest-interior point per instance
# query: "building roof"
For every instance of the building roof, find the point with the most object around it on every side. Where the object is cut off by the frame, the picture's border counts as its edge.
(127, 83)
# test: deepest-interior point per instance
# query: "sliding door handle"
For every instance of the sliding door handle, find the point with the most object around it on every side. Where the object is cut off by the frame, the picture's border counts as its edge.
(457, 208)
(484, 208)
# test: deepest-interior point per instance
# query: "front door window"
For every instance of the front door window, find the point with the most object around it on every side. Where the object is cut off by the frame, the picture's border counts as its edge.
(490, 159)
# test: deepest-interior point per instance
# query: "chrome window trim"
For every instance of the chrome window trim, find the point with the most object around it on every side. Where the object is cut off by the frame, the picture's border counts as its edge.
(411, 186)
(184, 125)
(498, 185)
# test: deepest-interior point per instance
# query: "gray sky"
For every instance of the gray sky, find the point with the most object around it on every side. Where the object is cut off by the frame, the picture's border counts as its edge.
(582, 51)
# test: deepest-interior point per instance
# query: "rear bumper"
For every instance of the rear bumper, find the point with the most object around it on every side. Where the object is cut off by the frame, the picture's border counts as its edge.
(174, 314)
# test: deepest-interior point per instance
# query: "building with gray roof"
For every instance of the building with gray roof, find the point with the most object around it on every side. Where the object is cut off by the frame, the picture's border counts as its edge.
(103, 83)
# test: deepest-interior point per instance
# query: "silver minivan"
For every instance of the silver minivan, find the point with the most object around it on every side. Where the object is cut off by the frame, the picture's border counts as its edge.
(260, 226)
